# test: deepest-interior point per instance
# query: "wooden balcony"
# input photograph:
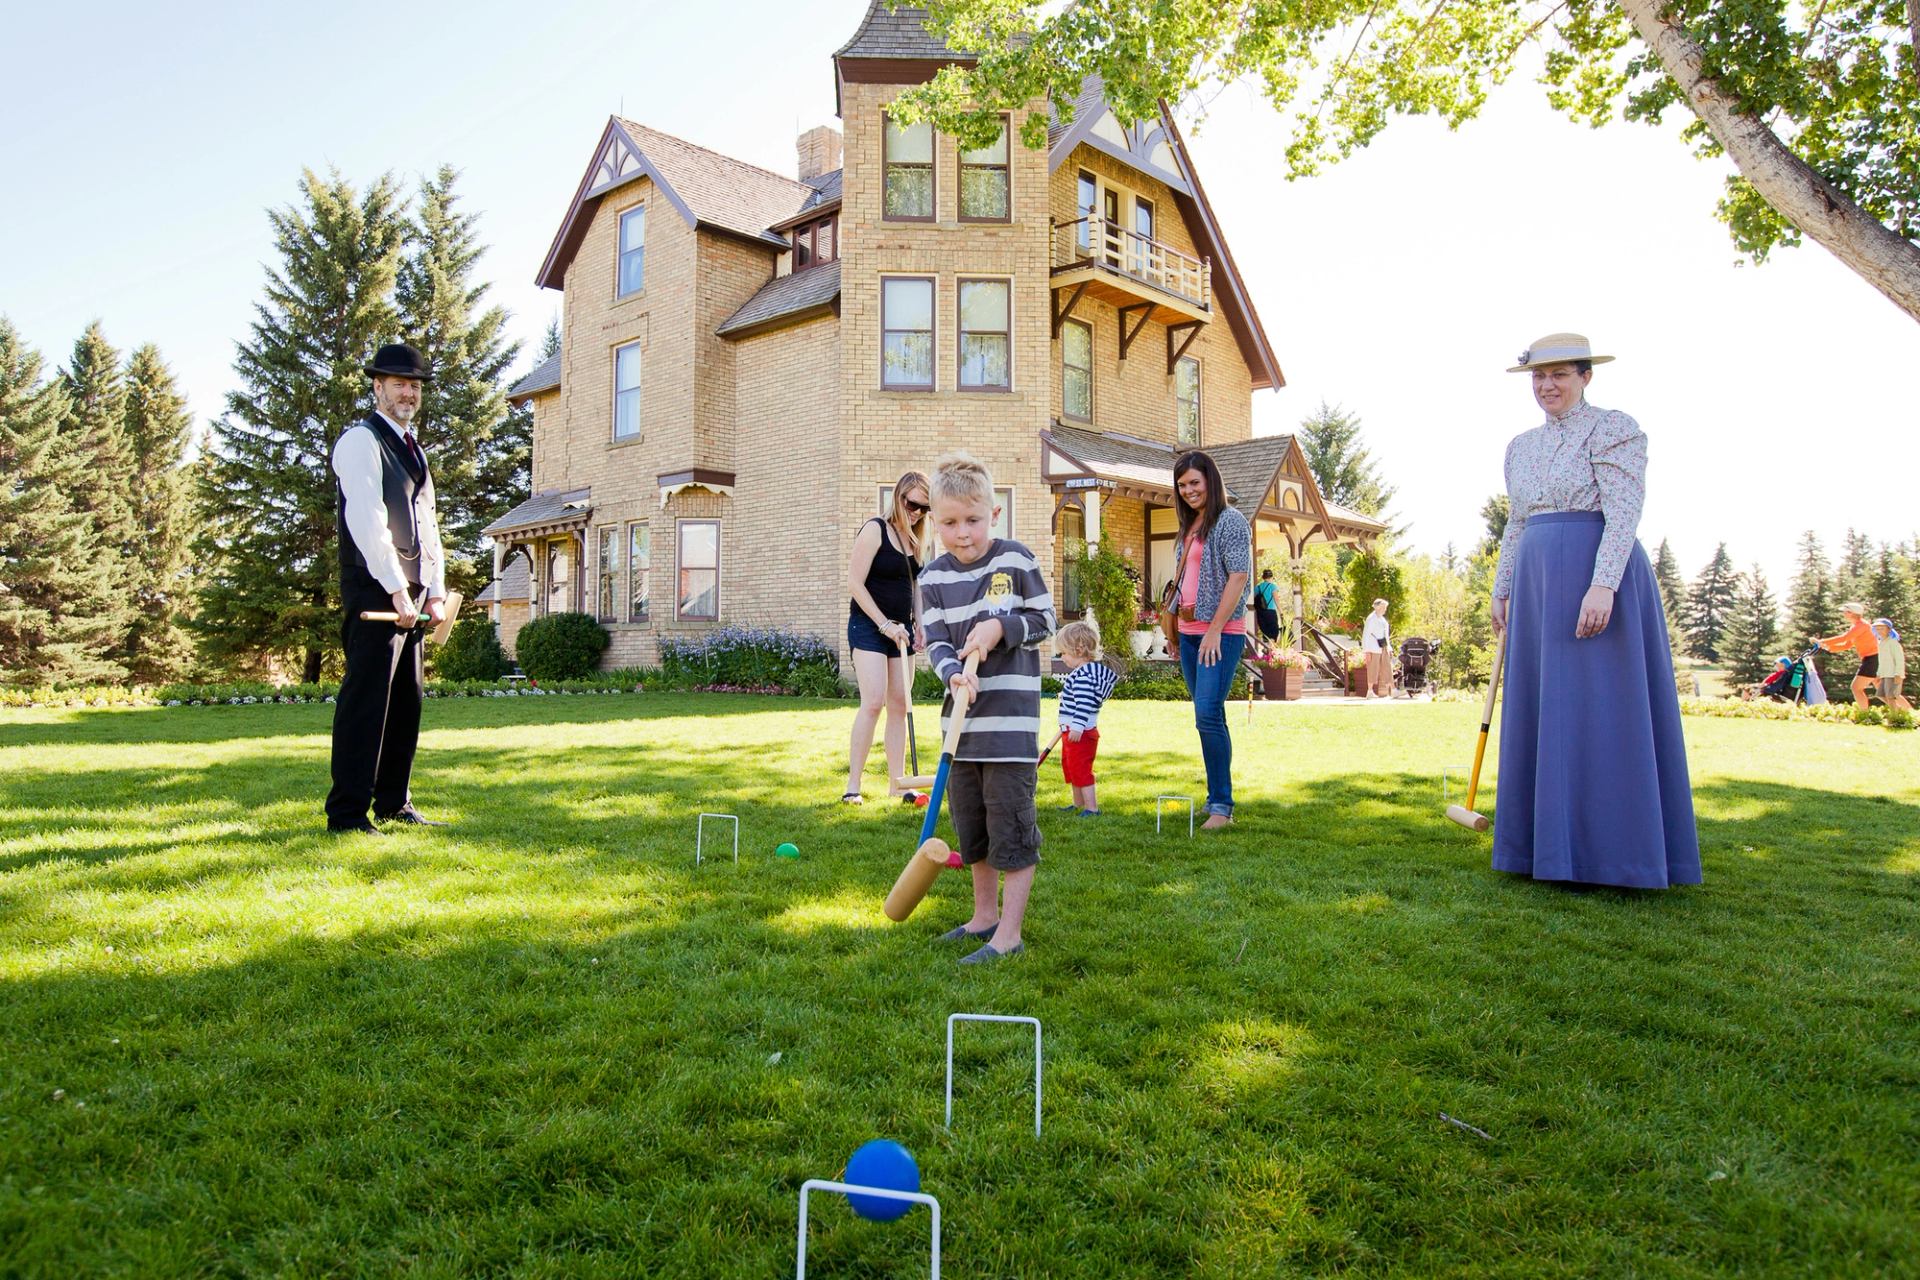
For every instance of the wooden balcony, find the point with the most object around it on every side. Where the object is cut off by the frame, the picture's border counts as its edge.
(1102, 259)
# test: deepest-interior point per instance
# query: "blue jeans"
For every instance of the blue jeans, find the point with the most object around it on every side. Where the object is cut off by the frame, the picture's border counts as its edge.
(1209, 686)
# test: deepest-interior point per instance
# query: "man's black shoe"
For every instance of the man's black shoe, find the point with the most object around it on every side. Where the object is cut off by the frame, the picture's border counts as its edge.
(362, 828)
(409, 815)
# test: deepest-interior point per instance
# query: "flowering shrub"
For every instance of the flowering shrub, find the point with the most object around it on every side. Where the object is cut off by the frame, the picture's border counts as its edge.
(1288, 658)
(750, 658)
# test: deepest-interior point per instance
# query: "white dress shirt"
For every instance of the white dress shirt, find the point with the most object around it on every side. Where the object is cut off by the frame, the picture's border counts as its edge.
(357, 462)
(1374, 638)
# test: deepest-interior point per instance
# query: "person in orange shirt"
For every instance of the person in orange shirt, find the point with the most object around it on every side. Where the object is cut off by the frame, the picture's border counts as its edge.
(1860, 638)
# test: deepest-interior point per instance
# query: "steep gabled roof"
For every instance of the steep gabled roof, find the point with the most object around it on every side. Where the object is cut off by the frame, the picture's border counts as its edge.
(711, 191)
(545, 377)
(1154, 147)
(785, 300)
(899, 33)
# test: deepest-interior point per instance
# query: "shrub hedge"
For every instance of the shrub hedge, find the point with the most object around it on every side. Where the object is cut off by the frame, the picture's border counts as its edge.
(561, 646)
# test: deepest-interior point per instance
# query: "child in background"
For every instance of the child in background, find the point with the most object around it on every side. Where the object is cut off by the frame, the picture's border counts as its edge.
(986, 596)
(1088, 684)
(1892, 664)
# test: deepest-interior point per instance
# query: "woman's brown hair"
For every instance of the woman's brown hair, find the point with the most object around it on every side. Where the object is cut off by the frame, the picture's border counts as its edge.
(1216, 493)
(912, 535)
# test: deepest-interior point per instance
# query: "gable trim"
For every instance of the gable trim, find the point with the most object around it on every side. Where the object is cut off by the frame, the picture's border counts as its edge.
(573, 229)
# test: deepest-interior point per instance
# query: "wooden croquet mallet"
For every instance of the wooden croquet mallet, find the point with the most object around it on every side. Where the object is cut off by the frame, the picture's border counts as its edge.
(934, 854)
(1464, 814)
(1050, 746)
(440, 632)
(912, 781)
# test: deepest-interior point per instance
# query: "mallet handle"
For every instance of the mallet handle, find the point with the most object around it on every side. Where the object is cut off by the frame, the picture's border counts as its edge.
(940, 772)
(375, 615)
(1486, 716)
(1050, 747)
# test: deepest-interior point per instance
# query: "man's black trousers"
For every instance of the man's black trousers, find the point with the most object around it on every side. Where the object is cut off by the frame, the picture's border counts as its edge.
(376, 719)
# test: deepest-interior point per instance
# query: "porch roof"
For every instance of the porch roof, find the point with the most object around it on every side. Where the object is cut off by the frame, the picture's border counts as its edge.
(512, 584)
(556, 511)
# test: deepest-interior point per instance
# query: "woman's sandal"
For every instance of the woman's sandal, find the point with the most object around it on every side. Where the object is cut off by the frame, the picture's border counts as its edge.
(852, 797)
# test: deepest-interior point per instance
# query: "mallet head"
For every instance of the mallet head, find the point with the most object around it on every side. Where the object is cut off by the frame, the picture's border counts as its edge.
(1468, 818)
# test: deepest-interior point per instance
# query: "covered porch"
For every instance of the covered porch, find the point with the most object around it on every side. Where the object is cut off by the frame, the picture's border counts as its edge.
(548, 531)
(1118, 491)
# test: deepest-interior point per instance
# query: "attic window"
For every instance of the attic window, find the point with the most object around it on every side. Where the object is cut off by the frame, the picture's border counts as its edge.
(816, 243)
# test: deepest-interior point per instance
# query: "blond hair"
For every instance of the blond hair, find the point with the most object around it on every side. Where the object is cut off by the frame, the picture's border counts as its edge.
(961, 477)
(1082, 638)
(913, 535)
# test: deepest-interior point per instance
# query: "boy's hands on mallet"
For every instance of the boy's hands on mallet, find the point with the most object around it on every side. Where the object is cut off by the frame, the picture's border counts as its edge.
(983, 639)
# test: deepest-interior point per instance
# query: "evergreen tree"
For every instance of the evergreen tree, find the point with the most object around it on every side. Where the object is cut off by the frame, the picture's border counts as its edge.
(46, 547)
(1890, 592)
(97, 468)
(1345, 470)
(1494, 511)
(1709, 601)
(1811, 610)
(1666, 574)
(1752, 630)
(266, 551)
(1853, 575)
(549, 341)
(481, 452)
(157, 429)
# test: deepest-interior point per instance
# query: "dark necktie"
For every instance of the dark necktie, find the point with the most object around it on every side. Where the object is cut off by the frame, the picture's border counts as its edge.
(419, 458)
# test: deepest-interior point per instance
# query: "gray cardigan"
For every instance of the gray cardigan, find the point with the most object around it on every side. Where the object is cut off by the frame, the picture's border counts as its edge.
(1227, 550)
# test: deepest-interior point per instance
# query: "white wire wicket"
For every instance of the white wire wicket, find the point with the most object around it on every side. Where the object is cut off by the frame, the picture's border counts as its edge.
(700, 835)
(995, 1017)
(1460, 769)
(843, 1188)
(1159, 807)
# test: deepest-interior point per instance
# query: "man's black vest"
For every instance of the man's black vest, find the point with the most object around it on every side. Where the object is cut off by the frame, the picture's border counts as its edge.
(401, 481)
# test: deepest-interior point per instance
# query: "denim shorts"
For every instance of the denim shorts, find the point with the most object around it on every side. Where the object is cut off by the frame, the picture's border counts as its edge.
(863, 636)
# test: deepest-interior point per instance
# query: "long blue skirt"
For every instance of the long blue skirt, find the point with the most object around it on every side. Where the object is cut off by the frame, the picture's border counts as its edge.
(1593, 770)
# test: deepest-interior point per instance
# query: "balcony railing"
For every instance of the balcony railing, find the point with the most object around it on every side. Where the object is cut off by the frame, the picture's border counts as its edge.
(1105, 244)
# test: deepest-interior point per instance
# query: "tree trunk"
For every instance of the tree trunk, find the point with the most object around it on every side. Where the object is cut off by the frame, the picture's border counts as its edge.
(310, 671)
(1812, 204)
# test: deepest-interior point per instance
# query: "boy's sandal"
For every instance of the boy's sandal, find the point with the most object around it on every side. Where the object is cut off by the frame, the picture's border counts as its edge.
(1089, 813)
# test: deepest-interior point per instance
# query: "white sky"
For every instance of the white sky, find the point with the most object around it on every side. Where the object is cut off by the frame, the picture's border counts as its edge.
(1399, 284)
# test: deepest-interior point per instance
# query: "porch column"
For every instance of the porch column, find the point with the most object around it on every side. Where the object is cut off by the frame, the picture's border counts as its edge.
(499, 558)
(1091, 499)
(1299, 598)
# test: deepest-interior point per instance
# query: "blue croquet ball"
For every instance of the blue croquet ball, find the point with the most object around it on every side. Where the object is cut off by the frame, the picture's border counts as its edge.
(787, 851)
(886, 1164)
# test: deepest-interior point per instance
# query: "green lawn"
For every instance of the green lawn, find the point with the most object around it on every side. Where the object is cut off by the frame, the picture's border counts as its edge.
(544, 1043)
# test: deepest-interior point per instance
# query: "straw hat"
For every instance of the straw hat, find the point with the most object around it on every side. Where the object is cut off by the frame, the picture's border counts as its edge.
(1557, 348)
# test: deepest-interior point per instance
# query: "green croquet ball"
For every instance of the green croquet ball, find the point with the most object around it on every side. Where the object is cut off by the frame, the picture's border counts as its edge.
(788, 851)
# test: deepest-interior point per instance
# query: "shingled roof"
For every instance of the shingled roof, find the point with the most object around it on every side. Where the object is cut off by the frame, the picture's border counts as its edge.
(512, 584)
(545, 377)
(1248, 466)
(709, 190)
(557, 508)
(785, 300)
(901, 33)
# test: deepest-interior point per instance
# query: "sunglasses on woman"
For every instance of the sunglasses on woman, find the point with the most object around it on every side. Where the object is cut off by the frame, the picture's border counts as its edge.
(915, 508)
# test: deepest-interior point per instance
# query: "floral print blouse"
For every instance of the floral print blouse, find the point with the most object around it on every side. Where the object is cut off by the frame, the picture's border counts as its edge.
(1588, 459)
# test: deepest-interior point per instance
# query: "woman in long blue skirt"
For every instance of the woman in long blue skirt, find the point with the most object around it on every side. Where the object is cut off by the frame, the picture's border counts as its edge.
(1593, 784)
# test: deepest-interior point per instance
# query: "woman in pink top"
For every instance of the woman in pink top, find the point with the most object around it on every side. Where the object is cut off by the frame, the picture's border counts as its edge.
(1216, 564)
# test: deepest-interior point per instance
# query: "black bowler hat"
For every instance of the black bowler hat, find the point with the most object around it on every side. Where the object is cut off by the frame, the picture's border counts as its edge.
(398, 360)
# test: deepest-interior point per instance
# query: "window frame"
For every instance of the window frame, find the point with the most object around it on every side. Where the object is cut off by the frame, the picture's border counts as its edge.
(1083, 179)
(1070, 587)
(961, 331)
(681, 569)
(645, 613)
(1006, 508)
(1066, 412)
(812, 236)
(604, 577)
(559, 550)
(1006, 175)
(1199, 414)
(640, 359)
(620, 253)
(933, 336)
(933, 174)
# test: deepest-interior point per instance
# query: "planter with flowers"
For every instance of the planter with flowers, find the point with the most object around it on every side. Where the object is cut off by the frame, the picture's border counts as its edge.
(1146, 639)
(1283, 675)
(1356, 674)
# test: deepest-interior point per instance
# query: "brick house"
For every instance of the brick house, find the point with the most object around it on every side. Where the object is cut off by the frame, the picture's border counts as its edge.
(750, 361)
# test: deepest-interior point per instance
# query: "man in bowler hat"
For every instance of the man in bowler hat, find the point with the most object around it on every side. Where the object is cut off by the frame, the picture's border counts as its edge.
(391, 561)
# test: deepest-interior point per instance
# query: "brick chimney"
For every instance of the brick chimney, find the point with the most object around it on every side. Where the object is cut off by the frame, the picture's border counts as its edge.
(819, 149)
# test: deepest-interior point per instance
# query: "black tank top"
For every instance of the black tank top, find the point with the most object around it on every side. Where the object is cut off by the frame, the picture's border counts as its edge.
(890, 579)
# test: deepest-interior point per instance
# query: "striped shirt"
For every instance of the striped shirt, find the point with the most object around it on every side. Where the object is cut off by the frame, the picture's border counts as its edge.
(1005, 583)
(1081, 693)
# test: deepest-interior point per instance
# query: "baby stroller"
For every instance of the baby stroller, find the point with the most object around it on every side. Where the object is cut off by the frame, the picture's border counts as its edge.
(1797, 681)
(1416, 654)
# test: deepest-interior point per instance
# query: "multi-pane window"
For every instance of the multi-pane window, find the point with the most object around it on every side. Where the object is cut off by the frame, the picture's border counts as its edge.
(1186, 391)
(1073, 539)
(633, 250)
(607, 598)
(639, 564)
(906, 343)
(986, 335)
(908, 163)
(986, 193)
(699, 560)
(626, 392)
(813, 244)
(1088, 194)
(1076, 370)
